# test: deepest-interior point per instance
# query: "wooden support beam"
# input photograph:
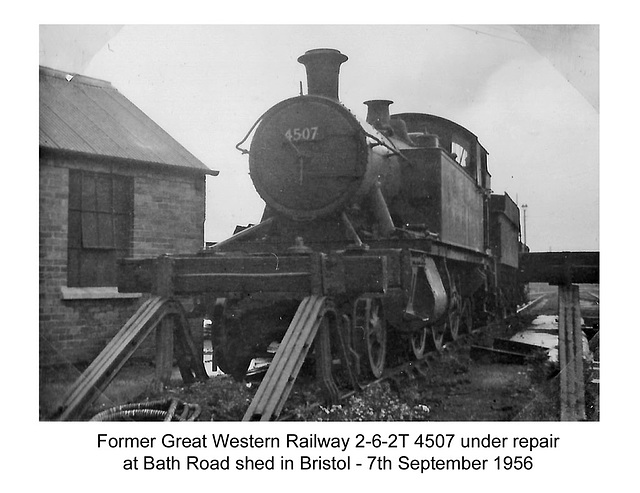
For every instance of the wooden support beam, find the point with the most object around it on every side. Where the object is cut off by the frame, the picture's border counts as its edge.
(164, 331)
(283, 371)
(164, 353)
(99, 374)
(324, 360)
(293, 282)
(560, 267)
(572, 404)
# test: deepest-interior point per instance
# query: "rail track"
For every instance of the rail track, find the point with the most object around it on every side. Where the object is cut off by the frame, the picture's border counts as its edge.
(531, 304)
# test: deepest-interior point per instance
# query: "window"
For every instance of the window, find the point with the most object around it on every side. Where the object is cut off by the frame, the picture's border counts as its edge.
(460, 147)
(100, 225)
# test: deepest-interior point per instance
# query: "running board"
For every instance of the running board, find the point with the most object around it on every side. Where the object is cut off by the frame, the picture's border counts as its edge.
(278, 382)
(99, 374)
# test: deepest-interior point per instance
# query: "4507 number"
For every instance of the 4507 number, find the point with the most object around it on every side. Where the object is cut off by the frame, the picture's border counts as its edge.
(433, 440)
(306, 133)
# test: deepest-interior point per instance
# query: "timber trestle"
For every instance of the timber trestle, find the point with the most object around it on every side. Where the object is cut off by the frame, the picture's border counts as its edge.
(567, 270)
(312, 318)
(99, 374)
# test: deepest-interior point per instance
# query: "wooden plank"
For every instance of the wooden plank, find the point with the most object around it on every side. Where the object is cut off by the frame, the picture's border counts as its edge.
(164, 353)
(560, 267)
(565, 408)
(103, 369)
(92, 376)
(286, 364)
(163, 282)
(517, 346)
(287, 357)
(493, 355)
(135, 275)
(299, 282)
(578, 354)
(257, 264)
(572, 399)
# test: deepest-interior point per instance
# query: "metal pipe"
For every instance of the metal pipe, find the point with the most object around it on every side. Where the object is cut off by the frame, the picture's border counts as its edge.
(351, 231)
(381, 211)
(243, 234)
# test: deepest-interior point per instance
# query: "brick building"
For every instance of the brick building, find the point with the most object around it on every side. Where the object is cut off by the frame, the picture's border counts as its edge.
(113, 184)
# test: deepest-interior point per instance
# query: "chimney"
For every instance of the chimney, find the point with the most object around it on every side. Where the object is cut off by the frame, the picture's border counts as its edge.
(378, 113)
(323, 70)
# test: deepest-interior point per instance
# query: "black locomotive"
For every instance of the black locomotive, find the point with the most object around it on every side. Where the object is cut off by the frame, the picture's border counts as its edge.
(379, 240)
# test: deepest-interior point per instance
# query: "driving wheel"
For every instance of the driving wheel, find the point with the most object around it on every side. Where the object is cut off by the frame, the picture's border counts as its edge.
(454, 315)
(418, 342)
(436, 341)
(370, 333)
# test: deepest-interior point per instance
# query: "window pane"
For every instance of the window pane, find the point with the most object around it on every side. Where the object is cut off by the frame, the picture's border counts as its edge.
(103, 193)
(75, 229)
(88, 276)
(88, 192)
(97, 268)
(105, 230)
(90, 230)
(106, 270)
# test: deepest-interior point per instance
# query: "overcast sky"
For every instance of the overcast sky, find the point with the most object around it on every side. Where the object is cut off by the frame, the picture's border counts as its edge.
(529, 93)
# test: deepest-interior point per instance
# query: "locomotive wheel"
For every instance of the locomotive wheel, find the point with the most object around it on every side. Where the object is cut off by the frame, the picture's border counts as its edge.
(230, 353)
(436, 341)
(227, 343)
(466, 317)
(370, 332)
(454, 315)
(247, 335)
(236, 367)
(418, 342)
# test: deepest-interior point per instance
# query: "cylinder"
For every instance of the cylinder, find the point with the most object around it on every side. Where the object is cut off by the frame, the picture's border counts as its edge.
(323, 71)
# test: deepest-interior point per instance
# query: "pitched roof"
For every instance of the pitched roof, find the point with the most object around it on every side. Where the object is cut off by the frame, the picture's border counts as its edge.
(87, 115)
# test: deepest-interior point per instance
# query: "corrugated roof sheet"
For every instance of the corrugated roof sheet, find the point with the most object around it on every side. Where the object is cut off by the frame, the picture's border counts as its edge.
(89, 115)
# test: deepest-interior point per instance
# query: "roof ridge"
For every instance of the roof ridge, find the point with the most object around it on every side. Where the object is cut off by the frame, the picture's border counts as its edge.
(77, 78)
(83, 114)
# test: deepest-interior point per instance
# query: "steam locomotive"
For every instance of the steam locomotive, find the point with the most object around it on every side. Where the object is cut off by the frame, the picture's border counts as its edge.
(380, 239)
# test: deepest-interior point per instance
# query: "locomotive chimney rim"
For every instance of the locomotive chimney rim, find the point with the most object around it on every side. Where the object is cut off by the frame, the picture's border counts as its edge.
(323, 71)
(378, 112)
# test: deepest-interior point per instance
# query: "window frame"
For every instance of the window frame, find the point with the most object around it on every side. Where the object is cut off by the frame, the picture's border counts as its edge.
(100, 227)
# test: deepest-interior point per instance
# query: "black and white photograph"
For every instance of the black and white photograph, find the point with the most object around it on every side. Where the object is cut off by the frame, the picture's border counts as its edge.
(326, 228)
(380, 240)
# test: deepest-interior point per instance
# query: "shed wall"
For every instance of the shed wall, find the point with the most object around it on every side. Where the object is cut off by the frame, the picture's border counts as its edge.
(169, 212)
